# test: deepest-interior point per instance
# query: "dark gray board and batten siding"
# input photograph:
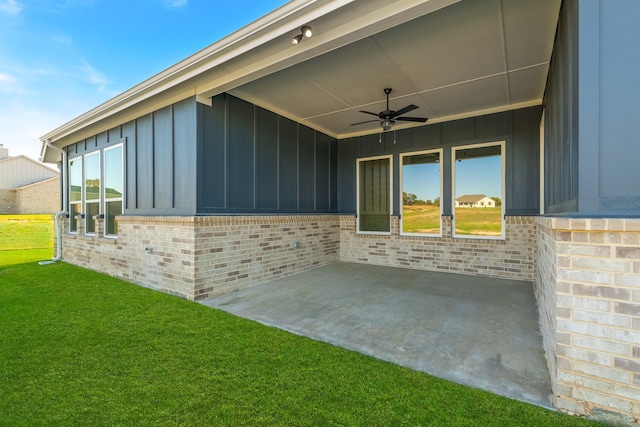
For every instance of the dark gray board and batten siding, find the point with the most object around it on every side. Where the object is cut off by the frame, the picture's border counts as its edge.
(159, 159)
(253, 161)
(520, 129)
(592, 148)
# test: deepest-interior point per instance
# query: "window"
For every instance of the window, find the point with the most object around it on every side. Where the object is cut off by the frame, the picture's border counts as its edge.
(75, 192)
(113, 188)
(374, 183)
(478, 184)
(421, 183)
(91, 190)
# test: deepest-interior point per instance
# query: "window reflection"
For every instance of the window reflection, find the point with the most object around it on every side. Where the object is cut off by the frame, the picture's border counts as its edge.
(421, 193)
(478, 198)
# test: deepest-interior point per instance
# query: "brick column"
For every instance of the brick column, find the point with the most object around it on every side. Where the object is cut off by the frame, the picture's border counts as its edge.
(592, 269)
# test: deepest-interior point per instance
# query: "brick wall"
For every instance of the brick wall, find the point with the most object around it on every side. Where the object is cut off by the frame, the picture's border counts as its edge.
(545, 292)
(597, 269)
(8, 201)
(198, 257)
(512, 258)
(39, 198)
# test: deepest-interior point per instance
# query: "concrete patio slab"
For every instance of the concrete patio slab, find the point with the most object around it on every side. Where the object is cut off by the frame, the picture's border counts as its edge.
(478, 331)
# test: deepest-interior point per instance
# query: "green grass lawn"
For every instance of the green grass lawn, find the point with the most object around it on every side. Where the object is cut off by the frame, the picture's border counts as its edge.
(26, 232)
(82, 348)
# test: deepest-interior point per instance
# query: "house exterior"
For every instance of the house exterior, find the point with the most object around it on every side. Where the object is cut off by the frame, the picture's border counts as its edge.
(475, 201)
(240, 164)
(26, 186)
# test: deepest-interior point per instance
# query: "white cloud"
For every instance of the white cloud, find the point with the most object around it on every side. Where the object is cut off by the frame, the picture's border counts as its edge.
(5, 78)
(10, 7)
(175, 3)
(94, 76)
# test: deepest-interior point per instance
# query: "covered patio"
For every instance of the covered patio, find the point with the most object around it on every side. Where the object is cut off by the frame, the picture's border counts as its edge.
(478, 331)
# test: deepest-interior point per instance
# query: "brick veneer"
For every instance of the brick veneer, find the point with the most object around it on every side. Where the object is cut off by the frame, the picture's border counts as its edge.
(591, 267)
(513, 257)
(8, 203)
(39, 198)
(198, 257)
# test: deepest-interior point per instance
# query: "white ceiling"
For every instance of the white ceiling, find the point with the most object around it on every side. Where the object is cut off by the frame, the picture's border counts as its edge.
(472, 57)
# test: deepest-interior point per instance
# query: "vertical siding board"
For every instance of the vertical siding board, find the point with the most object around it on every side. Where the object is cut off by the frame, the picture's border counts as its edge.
(370, 145)
(348, 151)
(458, 132)
(163, 158)
(213, 174)
(426, 137)
(333, 175)
(184, 155)
(144, 139)
(266, 159)
(322, 172)
(523, 190)
(306, 172)
(561, 125)
(288, 165)
(129, 136)
(241, 155)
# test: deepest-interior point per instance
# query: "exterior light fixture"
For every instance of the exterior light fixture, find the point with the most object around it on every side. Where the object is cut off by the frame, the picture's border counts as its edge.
(304, 32)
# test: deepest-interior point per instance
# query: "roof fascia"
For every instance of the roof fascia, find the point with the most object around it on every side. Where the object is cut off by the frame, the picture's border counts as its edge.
(188, 77)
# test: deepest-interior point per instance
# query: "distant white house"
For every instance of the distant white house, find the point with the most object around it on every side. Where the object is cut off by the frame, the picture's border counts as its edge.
(475, 201)
(27, 186)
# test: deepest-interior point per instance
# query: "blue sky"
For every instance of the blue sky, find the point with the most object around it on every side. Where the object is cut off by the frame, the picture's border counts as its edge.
(473, 176)
(60, 58)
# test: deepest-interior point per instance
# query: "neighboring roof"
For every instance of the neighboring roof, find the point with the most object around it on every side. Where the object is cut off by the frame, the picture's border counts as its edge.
(33, 184)
(471, 198)
(452, 58)
(19, 171)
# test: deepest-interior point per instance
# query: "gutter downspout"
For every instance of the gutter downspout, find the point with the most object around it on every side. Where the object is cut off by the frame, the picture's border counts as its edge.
(58, 228)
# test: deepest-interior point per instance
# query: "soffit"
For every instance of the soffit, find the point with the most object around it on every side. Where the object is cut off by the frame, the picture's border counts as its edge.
(468, 58)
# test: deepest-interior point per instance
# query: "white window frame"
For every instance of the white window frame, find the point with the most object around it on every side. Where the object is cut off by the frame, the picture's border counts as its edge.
(366, 159)
(81, 201)
(440, 152)
(104, 187)
(502, 145)
(84, 183)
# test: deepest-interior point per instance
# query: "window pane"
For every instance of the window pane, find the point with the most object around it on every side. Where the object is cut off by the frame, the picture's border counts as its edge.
(113, 173)
(478, 192)
(92, 210)
(375, 202)
(113, 209)
(73, 222)
(75, 180)
(421, 193)
(92, 177)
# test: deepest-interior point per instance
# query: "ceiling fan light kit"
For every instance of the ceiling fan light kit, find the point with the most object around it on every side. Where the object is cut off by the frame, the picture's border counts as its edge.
(388, 118)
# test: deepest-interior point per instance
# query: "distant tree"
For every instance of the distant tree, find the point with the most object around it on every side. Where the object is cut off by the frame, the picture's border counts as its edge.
(436, 201)
(497, 200)
(408, 198)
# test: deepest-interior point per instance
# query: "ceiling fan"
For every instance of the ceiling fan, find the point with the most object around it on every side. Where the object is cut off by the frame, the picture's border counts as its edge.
(388, 118)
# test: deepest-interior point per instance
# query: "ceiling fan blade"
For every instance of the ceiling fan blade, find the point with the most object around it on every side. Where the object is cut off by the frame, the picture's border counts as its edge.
(412, 119)
(367, 121)
(404, 110)
(369, 112)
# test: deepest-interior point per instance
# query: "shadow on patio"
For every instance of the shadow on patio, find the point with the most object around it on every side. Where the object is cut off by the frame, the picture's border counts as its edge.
(478, 331)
